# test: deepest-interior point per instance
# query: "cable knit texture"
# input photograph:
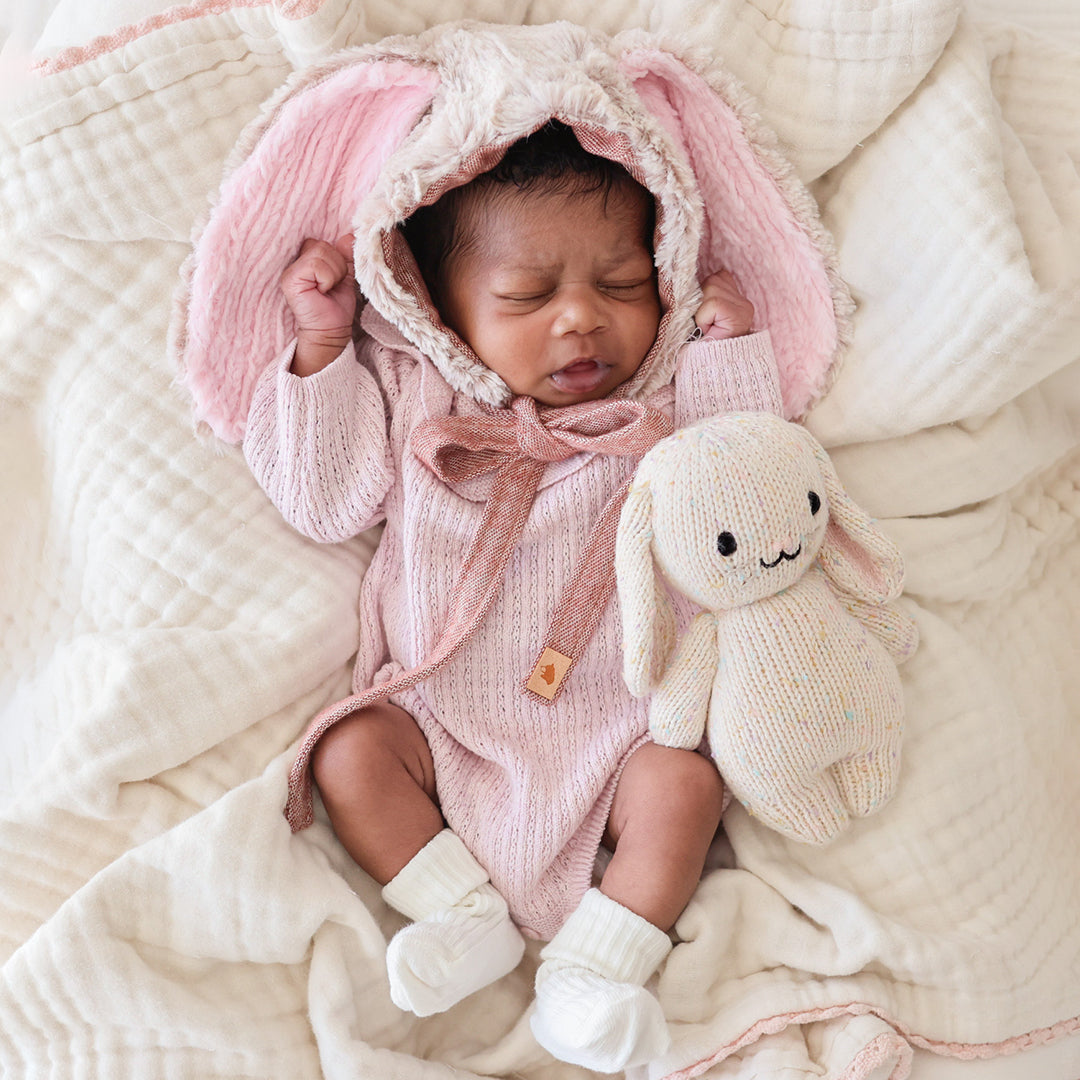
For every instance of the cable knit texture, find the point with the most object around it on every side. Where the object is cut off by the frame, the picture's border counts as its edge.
(525, 783)
(791, 670)
(439, 876)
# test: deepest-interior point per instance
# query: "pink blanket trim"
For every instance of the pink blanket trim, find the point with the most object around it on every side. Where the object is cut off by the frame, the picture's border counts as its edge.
(99, 46)
(885, 1046)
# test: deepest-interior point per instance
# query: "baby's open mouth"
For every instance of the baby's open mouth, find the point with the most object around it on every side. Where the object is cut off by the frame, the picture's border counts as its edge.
(582, 376)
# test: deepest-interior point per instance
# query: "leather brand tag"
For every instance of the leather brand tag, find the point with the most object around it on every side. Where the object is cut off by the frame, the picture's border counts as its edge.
(549, 673)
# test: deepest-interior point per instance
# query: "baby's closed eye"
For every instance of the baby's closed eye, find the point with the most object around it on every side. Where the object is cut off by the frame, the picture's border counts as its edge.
(620, 288)
(525, 297)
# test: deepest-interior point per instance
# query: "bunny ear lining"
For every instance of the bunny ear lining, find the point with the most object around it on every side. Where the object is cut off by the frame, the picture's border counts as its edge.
(761, 223)
(856, 556)
(302, 173)
(307, 164)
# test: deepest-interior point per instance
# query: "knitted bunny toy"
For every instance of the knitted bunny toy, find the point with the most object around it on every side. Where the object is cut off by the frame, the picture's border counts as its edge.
(790, 669)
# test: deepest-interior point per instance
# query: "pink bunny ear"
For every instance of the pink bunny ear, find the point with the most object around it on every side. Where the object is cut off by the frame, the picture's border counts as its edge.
(311, 167)
(760, 222)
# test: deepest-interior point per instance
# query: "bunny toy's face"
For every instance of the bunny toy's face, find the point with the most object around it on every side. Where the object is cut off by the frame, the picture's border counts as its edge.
(742, 515)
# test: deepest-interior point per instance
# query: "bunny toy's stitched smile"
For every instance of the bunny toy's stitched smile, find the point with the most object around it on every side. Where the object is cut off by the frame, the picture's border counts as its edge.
(781, 557)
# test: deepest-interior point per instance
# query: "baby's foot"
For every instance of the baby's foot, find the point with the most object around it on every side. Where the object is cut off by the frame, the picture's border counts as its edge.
(592, 1007)
(436, 962)
(585, 1019)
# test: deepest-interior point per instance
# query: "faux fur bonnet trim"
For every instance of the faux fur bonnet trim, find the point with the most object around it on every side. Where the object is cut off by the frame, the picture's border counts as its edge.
(357, 143)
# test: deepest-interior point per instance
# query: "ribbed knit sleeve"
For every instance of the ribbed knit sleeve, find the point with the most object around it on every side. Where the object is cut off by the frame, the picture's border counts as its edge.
(726, 375)
(318, 446)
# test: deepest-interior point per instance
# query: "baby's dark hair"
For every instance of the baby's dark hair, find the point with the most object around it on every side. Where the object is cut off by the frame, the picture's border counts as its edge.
(551, 161)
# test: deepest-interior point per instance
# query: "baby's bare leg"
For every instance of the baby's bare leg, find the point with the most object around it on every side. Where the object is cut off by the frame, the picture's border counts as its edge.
(592, 1004)
(664, 816)
(377, 780)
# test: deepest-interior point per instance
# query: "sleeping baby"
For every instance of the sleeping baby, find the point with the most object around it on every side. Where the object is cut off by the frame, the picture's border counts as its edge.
(492, 747)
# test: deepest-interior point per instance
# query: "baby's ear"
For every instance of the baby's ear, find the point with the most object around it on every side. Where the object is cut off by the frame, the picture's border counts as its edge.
(858, 558)
(647, 619)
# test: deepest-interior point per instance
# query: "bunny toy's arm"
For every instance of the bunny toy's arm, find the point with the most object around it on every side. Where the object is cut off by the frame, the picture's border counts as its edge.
(891, 626)
(680, 705)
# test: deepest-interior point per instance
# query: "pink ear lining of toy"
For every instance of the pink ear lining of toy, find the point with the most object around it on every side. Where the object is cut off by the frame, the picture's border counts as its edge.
(878, 583)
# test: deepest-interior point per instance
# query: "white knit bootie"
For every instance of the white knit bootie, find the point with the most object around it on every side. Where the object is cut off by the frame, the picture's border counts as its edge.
(461, 938)
(592, 1008)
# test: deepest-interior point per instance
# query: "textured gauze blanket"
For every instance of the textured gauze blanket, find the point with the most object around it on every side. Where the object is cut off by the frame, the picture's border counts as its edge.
(167, 637)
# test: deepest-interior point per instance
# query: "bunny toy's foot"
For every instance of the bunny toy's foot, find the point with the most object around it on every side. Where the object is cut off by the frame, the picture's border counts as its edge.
(867, 782)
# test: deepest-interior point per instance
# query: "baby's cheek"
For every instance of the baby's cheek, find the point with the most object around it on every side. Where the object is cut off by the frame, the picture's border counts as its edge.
(646, 327)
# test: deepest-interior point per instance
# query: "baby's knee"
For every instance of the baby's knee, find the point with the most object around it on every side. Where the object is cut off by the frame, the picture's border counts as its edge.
(683, 782)
(339, 752)
(696, 784)
(360, 747)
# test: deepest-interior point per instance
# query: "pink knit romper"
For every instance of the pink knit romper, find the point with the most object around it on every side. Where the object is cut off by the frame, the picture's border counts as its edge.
(526, 784)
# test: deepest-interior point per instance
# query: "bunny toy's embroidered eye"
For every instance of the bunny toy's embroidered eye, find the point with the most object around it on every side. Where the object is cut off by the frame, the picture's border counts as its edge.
(725, 544)
(815, 501)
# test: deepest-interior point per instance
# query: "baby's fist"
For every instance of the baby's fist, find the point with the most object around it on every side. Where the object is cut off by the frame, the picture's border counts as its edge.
(319, 287)
(724, 311)
(321, 293)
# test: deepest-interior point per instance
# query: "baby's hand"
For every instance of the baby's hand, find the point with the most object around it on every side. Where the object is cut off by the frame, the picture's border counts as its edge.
(724, 311)
(321, 293)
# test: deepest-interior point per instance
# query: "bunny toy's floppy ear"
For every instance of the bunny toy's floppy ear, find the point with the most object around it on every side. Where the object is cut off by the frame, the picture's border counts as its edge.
(300, 170)
(647, 618)
(858, 558)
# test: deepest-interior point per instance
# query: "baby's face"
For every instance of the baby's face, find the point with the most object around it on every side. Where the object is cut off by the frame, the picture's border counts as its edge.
(558, 293)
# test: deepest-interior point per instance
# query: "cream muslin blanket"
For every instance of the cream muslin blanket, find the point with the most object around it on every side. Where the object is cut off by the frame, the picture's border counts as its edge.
(166, 636)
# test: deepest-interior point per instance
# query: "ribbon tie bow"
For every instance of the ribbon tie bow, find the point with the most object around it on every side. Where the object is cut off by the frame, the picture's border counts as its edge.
(516, 445)
(461, 447)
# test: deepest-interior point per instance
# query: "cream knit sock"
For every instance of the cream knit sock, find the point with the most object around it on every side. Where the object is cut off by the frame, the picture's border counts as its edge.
(592, 1008)
(461, 938)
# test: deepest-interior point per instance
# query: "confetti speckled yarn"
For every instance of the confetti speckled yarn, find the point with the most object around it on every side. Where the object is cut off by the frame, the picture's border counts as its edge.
(790, 669)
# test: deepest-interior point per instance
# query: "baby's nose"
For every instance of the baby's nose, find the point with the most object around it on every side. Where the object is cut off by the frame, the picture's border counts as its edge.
(580, 311)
